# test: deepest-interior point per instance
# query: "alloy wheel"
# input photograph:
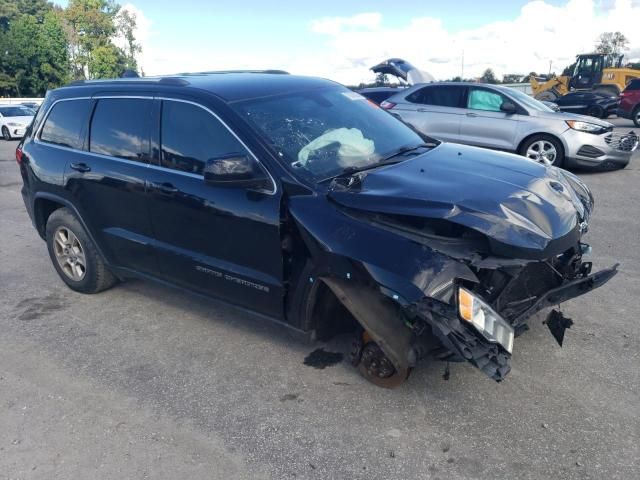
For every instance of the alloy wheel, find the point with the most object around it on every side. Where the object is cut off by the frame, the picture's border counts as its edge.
(542, 151)
(69, 254)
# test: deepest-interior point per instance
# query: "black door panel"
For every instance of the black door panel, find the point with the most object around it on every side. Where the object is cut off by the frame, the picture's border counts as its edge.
(220, 241)
(112, 189)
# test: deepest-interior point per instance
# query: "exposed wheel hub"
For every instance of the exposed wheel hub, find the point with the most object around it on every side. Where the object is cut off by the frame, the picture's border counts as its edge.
(374, 365)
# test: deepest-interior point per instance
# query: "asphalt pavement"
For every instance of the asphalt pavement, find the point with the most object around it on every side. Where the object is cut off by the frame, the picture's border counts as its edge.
(144, 381)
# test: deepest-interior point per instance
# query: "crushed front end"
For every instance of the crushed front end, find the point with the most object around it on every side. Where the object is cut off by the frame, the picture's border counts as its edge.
(501, 238)
(477, 321)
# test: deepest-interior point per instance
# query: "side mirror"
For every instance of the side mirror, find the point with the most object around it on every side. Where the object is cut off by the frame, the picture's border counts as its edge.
(235, 170)
(508, 107)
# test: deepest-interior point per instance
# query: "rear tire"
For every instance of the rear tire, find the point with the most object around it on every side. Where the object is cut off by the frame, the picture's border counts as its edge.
(636, 116)
(6, 134)
(74, 256)
(543, 143)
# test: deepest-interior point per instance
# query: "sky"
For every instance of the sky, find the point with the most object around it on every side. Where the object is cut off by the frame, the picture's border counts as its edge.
(341, 40)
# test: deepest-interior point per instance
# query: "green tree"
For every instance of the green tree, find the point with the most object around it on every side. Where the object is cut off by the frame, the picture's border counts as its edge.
(612, 43)
(35, 54)
(90, 24)
(125, 26)
(488, 76)
(107, 61)
(13, 9)
(512, 78)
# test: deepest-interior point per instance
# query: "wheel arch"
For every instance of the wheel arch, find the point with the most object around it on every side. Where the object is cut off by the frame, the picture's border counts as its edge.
(556, 137)
(44, 204)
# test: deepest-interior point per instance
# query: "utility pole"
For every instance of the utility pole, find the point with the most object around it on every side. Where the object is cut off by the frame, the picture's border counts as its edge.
(462, 67)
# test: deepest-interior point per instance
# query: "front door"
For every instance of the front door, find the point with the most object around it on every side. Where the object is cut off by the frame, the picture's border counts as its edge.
(484, 124)
(220, 241)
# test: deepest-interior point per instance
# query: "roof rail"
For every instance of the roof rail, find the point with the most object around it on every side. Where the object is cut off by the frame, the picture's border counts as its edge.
(131, 80)
(214, 72)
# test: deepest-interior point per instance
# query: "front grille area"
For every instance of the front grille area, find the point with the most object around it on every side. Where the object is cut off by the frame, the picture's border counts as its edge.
(623, 142)
(590, 151)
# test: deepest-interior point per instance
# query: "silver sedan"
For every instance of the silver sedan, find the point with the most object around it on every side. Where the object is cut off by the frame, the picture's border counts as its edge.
(502, 118)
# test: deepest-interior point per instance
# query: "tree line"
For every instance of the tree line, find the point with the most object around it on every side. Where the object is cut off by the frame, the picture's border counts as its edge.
(44, 46)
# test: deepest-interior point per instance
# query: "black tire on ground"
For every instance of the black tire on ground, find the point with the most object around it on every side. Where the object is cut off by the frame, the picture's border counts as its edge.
(6, 134)
(595, 111)
(636, 116)
(96, 276)
(559, 159)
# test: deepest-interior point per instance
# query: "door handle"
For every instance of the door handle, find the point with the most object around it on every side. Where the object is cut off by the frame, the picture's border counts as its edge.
(423, 110)
(470, 114)
(166, 188)
(80, 167)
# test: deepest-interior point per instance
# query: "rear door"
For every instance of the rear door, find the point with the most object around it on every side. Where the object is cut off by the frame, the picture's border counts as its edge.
(107, 180)
(435, 110)
(220, 241)
(484, 124)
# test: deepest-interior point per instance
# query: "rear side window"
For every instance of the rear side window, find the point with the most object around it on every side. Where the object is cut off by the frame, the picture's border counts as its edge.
(633, 85)
(65, 122)
(190, 136)
(442, 96)
(121, 127)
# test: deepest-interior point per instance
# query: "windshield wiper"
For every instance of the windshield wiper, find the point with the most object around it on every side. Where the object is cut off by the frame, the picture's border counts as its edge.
(388, 160)
(403, 150)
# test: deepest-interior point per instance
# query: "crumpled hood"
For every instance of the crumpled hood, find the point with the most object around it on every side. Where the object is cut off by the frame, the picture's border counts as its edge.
(510, 199)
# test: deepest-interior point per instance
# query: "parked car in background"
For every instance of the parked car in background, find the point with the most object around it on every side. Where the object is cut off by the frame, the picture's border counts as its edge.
(31, 105)
(502, 118)
(379, 94)
(403, 71)
(14, 120)
(630, 102)
(295, 198)
(593, 104)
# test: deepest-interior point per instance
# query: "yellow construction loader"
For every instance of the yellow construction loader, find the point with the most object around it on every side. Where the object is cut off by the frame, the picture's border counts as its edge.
(593, 71)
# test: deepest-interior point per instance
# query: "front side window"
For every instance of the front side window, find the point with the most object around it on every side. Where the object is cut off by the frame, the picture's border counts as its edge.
(480, 99)
(190, 136)
(65, 122)
(441, 96)
(324, 132)
(120, 127)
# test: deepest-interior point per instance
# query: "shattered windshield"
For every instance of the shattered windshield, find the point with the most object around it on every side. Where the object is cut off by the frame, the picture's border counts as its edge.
(326, 132)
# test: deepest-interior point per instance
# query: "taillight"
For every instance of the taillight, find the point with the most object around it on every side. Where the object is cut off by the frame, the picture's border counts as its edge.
(19, 155)
(387, 105)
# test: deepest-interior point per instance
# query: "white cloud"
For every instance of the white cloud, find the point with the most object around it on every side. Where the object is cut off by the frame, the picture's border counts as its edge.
(335, 25)
(541, 34)
(345, 47)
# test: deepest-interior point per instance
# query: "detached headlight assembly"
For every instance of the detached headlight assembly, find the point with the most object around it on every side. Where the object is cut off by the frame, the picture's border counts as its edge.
(491, 325)
(586, 127)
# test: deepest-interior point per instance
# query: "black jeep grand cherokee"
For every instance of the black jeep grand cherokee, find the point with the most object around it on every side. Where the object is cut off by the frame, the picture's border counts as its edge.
(299, 200)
